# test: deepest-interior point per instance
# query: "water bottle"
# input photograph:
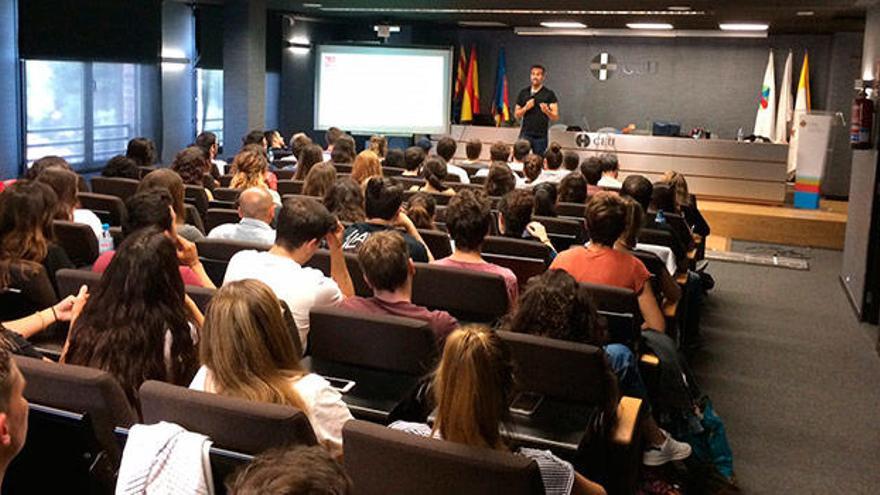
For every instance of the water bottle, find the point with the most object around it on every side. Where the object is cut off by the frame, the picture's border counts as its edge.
(660, 218)
(739, 134)
(105, 243)
(271, 156)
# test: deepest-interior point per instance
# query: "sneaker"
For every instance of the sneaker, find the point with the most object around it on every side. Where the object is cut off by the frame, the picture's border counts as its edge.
(669, 450)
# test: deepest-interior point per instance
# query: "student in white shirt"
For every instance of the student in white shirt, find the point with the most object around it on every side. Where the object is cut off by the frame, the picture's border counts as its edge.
(610, 170)
(256, 210)
(302, 224)
(247, 352)
(63, 182)
(553, 171)
(521, 150)
(446, 147)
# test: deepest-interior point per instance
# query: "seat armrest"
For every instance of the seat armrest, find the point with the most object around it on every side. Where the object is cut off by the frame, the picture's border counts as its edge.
(627, 420)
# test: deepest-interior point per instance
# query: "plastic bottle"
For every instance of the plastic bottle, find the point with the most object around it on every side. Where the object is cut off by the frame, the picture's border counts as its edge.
(739, 134)
(660, 218)
(105, 243)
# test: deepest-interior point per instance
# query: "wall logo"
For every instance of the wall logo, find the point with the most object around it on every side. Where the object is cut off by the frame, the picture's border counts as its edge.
(603, 66)
(594, 140)
(765, 94)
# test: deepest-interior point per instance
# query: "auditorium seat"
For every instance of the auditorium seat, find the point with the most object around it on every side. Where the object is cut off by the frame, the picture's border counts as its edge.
(382, 461)
(29, 290)
(572, 210)
(524, 268)
(468, 295)
(516, 247)
(226, 194)
(471, 169)
(220, 216)
(241, 425)
(216, 253)
(343, 168)
(385, 356)
(69, 282)
(78, 241)
(563, 232)
(284, 174)
(410, 180)
(321, 261)
(198, 197)
(290, 187)
(80, 390)
(225, 180)
(144, 170)
(578, 416)
(193, 217)
(440, 199)
(438, 242)
(478, 179)
(115, 186)
(458, 186)
(110, 209)
(664, 238)
(392, 171)
(620, 307)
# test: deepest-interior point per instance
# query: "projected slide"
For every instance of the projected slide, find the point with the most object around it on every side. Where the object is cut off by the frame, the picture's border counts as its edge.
(385, 90)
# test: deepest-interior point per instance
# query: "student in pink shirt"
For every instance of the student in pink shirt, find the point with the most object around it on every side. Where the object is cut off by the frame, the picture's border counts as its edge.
(468, 219)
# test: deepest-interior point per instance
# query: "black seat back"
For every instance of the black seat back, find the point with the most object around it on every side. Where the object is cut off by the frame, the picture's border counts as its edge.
(563, 232)
(290, 187)
(115, 186)
(29, 290)
(78, 241)
(524, 248)
(216, 253)
(226, 194)
(438, 242)
(196, 196)
(220, 216)
(466, 294)
(193, 217)
(110, 209)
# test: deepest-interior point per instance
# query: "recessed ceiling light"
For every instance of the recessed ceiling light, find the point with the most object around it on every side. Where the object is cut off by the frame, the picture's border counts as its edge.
(743, 26)
(805, 13)
(649, 25)
(678, 8)
(564, 24)
(312, 5)
(481, 24)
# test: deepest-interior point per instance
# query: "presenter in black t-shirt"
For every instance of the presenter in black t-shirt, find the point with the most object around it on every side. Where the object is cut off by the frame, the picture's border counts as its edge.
(536, 106)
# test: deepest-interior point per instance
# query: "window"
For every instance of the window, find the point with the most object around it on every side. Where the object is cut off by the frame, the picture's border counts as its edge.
(209, 106)
(84, 112)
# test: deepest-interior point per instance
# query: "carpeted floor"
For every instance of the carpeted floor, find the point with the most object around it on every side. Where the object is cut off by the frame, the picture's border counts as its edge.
(795, 377)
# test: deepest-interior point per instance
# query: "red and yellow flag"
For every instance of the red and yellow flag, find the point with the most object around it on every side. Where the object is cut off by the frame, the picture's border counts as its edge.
(470, 104)
(460, 72)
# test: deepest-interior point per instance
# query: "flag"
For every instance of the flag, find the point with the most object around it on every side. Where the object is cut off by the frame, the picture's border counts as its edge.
(801, 107)
(460, 72)
(470, 103)
(784, 110)
(765, 119)
(501, 101)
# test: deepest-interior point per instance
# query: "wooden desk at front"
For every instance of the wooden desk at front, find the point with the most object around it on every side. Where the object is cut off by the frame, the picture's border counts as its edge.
(714, 168)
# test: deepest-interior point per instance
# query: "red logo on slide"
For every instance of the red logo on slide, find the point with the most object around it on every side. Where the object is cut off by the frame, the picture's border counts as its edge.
(329, 60)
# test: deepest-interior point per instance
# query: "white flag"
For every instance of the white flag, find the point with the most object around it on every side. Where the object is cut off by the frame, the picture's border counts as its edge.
(764, 120)
(802, 106)
(784, 112)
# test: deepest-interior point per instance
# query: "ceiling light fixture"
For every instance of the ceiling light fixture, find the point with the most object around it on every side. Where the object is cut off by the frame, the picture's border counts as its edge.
(678, 8)
(312, 5)
(415, 10)
(638, 33)
(564, 24)
(481, 24)
(743, 26)
(649, 25)
(805, 13)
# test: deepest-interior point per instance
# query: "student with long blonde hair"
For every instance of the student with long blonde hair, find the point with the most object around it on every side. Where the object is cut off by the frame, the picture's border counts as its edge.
(366, 165)
(247, 351)
(251, 165)
(472, 387)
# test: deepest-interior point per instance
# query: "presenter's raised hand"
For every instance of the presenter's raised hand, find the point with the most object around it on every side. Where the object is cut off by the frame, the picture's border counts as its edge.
(545, 108)
(530, 104)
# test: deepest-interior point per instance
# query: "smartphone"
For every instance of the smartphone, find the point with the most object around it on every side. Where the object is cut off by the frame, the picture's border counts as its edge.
(526, 403)
(340, 384)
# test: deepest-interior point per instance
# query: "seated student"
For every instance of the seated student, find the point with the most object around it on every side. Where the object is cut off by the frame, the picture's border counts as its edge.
(531, 170)
(366, 165)
(153, 209)
(168, 180)
(251, 168)
(13, 411)
(63, 182)
(345, 199)
(663, 199)
(599, 263)
(256, 138)
(572, 317)
(138, 323)
(388, 270)
(425, 144)
(420, 209)
(27, 209)
(515, 219)
(378, 144)
(641, 190)
(686, 204)
(294, 470)
(298, 142)
(500, 180)
(591, 169)
(320, 178)
(628, 243)
(394, 158)
(573, 189)
(469, 220)
(274, 140)
(256, 210)
(330, 137)
(343, 151)
(498, 152)
(434, 171)
(192, 164)
(553, 171)
(302, 225)
(142, 151)
(570, 161)
(472, 151)
(610, 168)
(545, 199)
(521, 150)
(121, 166)
(473, 388)
(14, 333)
(208, 142)
(310, 156)
(383, 199)
(446, 147)
(247, 351)
(413, 158)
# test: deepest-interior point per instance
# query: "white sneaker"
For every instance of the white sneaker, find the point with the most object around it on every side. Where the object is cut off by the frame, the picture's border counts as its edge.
(669, 450)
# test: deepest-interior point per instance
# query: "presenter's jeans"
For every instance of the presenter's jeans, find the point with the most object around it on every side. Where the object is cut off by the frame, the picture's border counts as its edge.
(539, 143)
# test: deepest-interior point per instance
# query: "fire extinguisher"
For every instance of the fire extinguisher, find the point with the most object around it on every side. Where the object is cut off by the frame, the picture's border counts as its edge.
(861, 122)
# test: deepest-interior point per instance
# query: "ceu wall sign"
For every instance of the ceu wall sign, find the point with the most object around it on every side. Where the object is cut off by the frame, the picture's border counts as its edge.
(594, 140)
(604, 66)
